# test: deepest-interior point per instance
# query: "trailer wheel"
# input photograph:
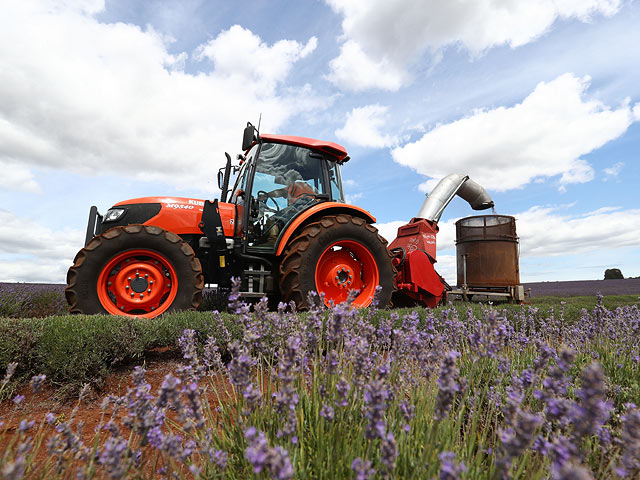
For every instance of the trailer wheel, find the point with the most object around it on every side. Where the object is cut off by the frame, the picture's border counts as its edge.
(136, 270)
(333, 256)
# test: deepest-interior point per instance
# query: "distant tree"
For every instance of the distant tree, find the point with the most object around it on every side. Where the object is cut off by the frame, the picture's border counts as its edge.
(612, 273)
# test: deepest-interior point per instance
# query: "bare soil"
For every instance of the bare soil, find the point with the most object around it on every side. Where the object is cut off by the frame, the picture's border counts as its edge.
(35, 406)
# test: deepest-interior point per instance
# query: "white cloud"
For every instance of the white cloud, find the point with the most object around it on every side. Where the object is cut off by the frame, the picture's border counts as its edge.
(239, 54)
(17, 178)
(89, 97)
(545, 232)
(390, 35)
(614, 170)
(509, 147)
(363, 126)
(34, 253)
(352, 198)
(355, 70)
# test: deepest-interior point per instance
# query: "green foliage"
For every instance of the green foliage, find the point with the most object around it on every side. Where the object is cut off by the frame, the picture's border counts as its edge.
(76, 349)
(613, 273)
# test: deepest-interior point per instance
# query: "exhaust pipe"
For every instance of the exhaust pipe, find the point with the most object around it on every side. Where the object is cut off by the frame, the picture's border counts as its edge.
(446, 189)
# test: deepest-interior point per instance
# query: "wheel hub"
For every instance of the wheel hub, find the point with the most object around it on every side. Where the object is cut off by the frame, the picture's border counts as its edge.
(343, 276)
(139, 284)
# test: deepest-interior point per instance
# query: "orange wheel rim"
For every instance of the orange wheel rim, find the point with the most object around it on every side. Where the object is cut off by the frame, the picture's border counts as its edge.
(140, 283)
(344, 266)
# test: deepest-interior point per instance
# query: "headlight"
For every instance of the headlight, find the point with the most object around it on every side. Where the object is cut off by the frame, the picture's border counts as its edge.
(113, 214)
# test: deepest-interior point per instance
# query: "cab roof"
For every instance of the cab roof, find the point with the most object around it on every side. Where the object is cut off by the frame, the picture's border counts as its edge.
(330, 148)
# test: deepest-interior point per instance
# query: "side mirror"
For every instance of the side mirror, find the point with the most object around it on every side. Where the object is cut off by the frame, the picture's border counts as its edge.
(220, 178)
(248, 137)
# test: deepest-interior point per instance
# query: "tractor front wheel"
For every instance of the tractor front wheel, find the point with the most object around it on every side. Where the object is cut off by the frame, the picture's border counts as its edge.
(335, 256)
(135, 270)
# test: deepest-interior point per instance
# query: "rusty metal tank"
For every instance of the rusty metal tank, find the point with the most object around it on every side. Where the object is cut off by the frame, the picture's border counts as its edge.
(487, 251)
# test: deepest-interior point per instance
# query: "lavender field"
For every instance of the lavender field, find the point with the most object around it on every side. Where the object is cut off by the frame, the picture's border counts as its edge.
(40, 300)
(518, 392)
(627, 286)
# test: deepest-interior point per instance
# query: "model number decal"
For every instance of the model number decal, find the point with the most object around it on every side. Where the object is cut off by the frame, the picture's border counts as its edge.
(179, 206)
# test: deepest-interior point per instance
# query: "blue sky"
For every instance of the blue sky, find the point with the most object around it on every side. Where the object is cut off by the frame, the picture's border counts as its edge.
(538, 101)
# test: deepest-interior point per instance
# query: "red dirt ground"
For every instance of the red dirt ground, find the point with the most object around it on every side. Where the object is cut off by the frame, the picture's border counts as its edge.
(36, 406)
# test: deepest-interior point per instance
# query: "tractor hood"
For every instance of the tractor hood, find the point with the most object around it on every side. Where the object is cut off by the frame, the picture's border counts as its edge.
(170, 202)
(175, 214)
(446, 189)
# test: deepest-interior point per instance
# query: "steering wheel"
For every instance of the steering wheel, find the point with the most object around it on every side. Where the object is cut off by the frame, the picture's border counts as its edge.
(266, 196)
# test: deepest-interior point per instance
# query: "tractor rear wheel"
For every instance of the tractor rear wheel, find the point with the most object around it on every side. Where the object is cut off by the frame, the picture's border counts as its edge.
(136, 270)
(334, 256)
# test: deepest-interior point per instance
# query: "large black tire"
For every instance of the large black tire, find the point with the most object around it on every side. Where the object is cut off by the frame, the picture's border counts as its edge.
(100, 280)
(308, 257)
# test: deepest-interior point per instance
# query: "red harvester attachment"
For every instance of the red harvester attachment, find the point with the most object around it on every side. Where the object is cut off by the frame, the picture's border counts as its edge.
(415, 246)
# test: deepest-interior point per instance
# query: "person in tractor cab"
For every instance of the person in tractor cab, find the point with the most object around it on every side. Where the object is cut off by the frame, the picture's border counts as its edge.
(295, 188)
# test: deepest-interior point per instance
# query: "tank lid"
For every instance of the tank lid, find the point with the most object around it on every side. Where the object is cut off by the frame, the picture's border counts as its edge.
(485, 220)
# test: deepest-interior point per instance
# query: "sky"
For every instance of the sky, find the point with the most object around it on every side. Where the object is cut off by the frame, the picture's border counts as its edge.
(538, 101)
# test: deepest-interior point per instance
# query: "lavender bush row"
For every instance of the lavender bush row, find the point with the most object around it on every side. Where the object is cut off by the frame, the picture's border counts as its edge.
(355, 394)
(23, 300)
(26, 300)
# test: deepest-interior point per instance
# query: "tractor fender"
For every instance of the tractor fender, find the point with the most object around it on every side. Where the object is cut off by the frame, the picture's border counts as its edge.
(315, 212)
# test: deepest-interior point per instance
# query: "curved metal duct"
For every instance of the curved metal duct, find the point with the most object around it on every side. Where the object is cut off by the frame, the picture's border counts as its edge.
(446, 189)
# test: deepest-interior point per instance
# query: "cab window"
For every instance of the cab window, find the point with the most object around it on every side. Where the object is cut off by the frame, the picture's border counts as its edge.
(287, 180)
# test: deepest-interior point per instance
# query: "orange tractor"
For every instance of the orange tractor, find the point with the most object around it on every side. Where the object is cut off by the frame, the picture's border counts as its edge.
(281, 226)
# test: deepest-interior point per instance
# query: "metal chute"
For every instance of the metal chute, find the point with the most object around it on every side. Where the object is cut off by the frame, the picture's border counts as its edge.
(447, 188)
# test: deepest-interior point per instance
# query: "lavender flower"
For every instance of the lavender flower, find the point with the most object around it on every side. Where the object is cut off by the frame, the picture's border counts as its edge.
(561, 451)
(375, 397)
(342, 388)
(36, 382)
(142, 414)
(449, 384)
(592, 409)
(14, 470)
(630, 442)
(362, 469)
(449, 470)
(193, 413)
(408, 412)
(211, 355)
(114, 457)
(388, 454)
(327, 412)
(240, 366)
(11, 369)
(286, 398)
(169, 393)
(262, 457)
(358, 352)
(25, 425)
(515, 440)
(219, 458)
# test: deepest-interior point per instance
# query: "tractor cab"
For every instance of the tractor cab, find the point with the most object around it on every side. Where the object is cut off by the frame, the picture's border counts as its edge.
(279, 178)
